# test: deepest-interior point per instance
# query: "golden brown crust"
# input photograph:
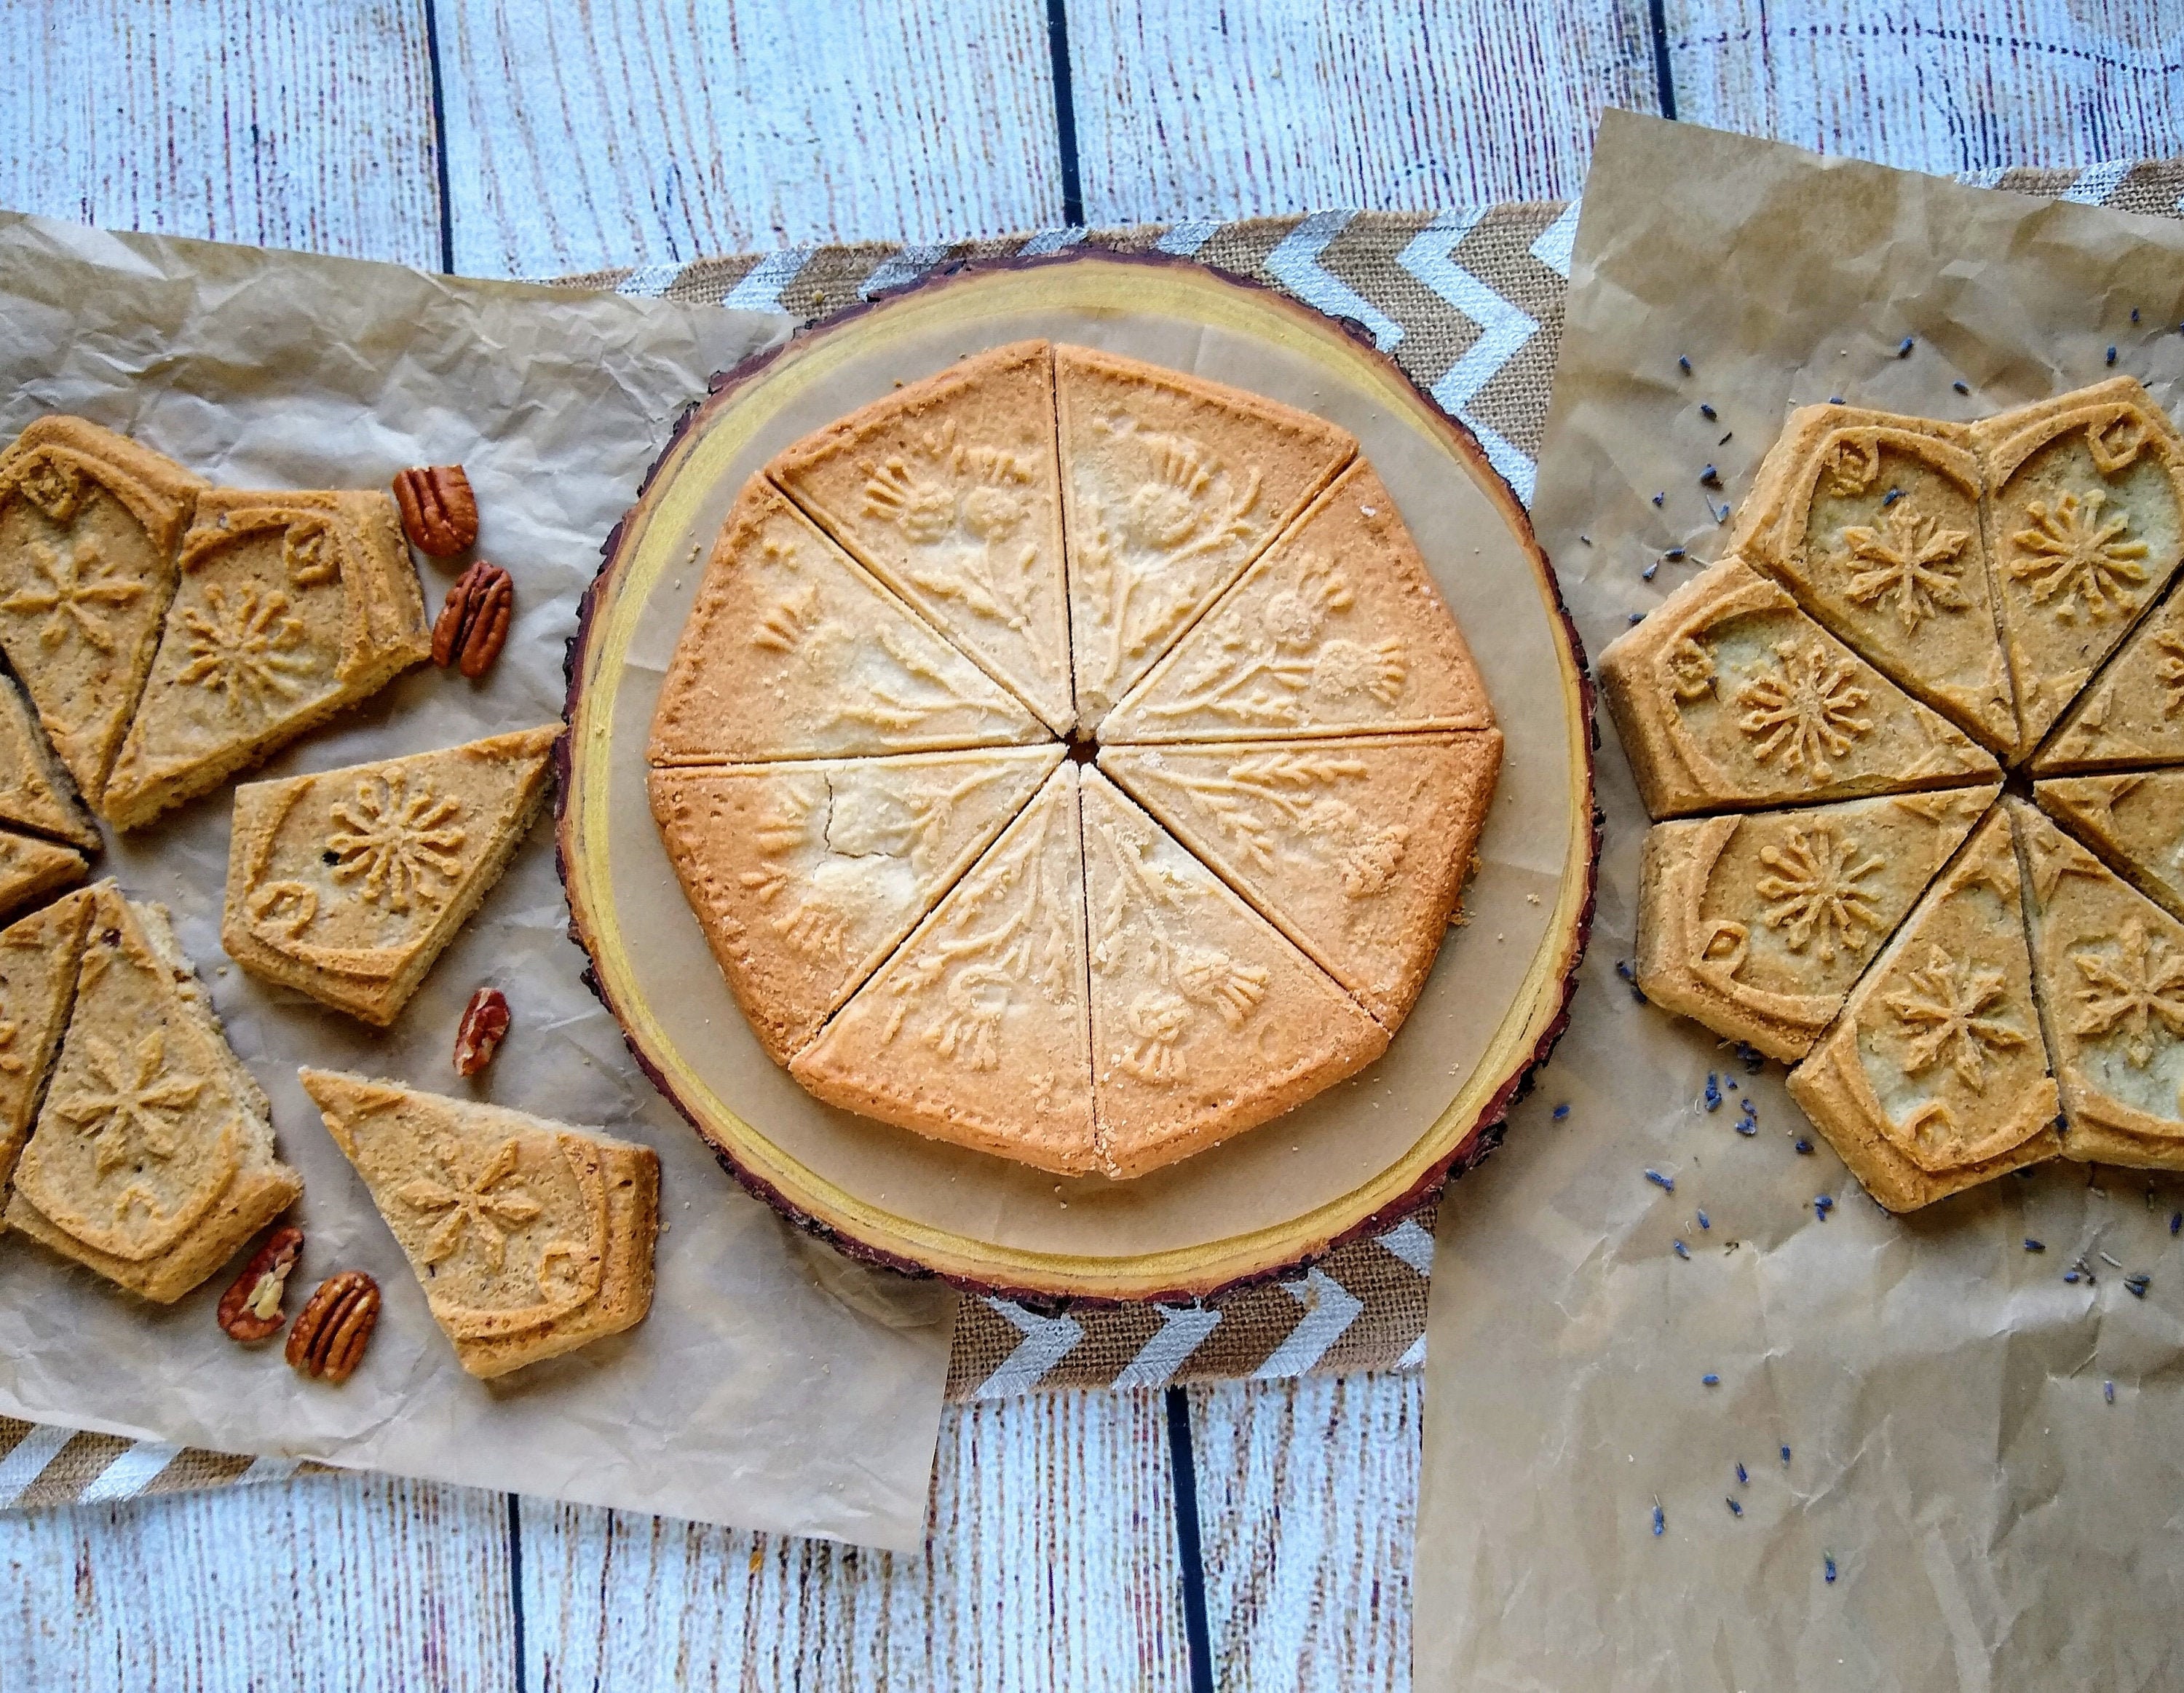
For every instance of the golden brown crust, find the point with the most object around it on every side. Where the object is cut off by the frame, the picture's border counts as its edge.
(31, 869)
(36, 792)
(39, 956)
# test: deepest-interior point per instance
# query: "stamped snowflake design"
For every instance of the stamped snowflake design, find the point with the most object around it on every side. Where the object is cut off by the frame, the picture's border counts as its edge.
(2071, 556)
(1815, 892)
(78, 589)
(249, 656)
(2138, 988)
(1805, 709)
(128, 1111)
(1952, 1010)
(479, 1207)
(396, 844)
(1909, 562)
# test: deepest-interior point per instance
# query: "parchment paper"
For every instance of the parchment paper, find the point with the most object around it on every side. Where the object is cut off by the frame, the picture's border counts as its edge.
(773, 1386)
(1994, 1521)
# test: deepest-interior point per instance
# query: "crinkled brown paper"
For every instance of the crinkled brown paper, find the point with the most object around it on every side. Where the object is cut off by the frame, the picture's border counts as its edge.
(1996, 1521)
(774, 1386)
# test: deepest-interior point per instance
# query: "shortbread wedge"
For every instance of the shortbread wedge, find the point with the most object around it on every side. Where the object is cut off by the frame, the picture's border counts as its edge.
(2107, 965)
(39, 957)
(292, 608)
(1873, 521)
(1758, 924)
(947, 491)
(2134, 820)
(529, 1238)
(35, 793)
(1171, 486)
(153, 1159)
(978, 1029)
(806, 876)
(349, 884)
(1205, 1020)
(31, 869)
(1934, 1078)
(1728, 697)
(2085, 527)
(2131, 715)
(89, 526)
(794, 650)
(1335, 630)
(1356, 849)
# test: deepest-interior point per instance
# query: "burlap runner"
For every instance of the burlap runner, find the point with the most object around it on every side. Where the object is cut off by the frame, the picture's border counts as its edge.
(1470, 305)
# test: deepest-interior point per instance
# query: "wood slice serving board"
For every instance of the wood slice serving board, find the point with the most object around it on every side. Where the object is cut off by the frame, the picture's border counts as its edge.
(1355, 1157)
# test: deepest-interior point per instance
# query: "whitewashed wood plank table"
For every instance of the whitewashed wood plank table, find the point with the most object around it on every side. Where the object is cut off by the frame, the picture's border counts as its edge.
(1247, 1535)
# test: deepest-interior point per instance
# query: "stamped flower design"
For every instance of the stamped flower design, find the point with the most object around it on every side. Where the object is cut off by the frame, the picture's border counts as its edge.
(247, 654)
(2139, 987)
(1261, 666)
(397, 844)
(57, 489)
(1909, 561)
(1814, 886)
(923, 507)
(1803, 708)
(1691, 670)
(1852, 467)
(944, 491)
(1951, 1011)
(479, 1206)
(2071, 556)
(128, 1111)
(78, 587)
(1155, 1017)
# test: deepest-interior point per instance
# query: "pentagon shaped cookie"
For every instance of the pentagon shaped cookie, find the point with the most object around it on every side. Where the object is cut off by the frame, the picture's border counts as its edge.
(1933, 1079)
(348, 884)
(792, 651)
(1170, 485)
(947, 491)
(31, 869)
(1757, 925)
(1873, 520)
(1336, 628)
(1205, 1020)
(2132, 713)
(39, 957)
(1728, 697)
(89, 522)
(153, 1159)
(805, 876)
(529, 1237)
(292, 606)
(36, 792)
(1356, 849)
(977, 1030)
(2085, 526)
(2108, 966)
(2134, 820)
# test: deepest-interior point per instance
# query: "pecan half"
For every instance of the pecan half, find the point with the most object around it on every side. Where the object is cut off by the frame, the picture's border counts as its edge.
(328, 1339)
(251, 1309)
(474, 622)
(439, 513)
(484, 1022)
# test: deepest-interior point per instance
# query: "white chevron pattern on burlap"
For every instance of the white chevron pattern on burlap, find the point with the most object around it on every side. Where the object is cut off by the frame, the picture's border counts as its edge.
(1295, 263)
(1329, 1308)
(1502, 329)
(1047, 1340)
(1183, 1330)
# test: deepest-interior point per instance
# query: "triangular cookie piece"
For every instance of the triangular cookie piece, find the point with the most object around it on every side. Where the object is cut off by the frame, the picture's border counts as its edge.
(1205, 1021)
(805, 876)
(530, 1238)
(2108, 966)
(1170, 485)
(1873, 520)
(349, 884)
(792, 651)
(2135, 819)
(2132, 713)
(1356, 849)
(1934, 1078)
(153, 1159)
(947, 491)
(36, 792)
(31, 869)
(1337, 629)
(1728, 697)
(977, 1030)
(1758, 925)
(292, 608)
(89, 523)
(39, 957)
(2085, 527)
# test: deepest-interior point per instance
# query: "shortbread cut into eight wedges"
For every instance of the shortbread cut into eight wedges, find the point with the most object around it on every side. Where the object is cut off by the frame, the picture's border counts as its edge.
(873, 760)
(1910, 614)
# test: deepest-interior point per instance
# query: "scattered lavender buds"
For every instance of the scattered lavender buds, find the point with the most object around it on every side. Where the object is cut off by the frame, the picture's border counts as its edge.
(2032, 1245)
(2112, 355)
(2134, 314)
(1742, 1479)
(1646, 575)
(2108, 1392)
(1710, 477)
(1667, 1184)
(1726, 439)
(1713, 1091)
(1683, 364)
(1659, 497)
(1660, 1522)
(1835, 400)
(1735, 1509)
(1830, 1562)
(1561, 1112)
(1706, 411)
(1704, 1221)
(2069, 1275)
(1959, 386)
(1682, 1251)
(1674, 554)
(1785, 1455)
(1631, 978)
(1804, 1146)
(2176, 1222)
(2135, 1285)
(1710, 1380)
(1822, 1204)
(1889, 498)
(1751, 1057)
(1904, 350)
(1636, 618)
